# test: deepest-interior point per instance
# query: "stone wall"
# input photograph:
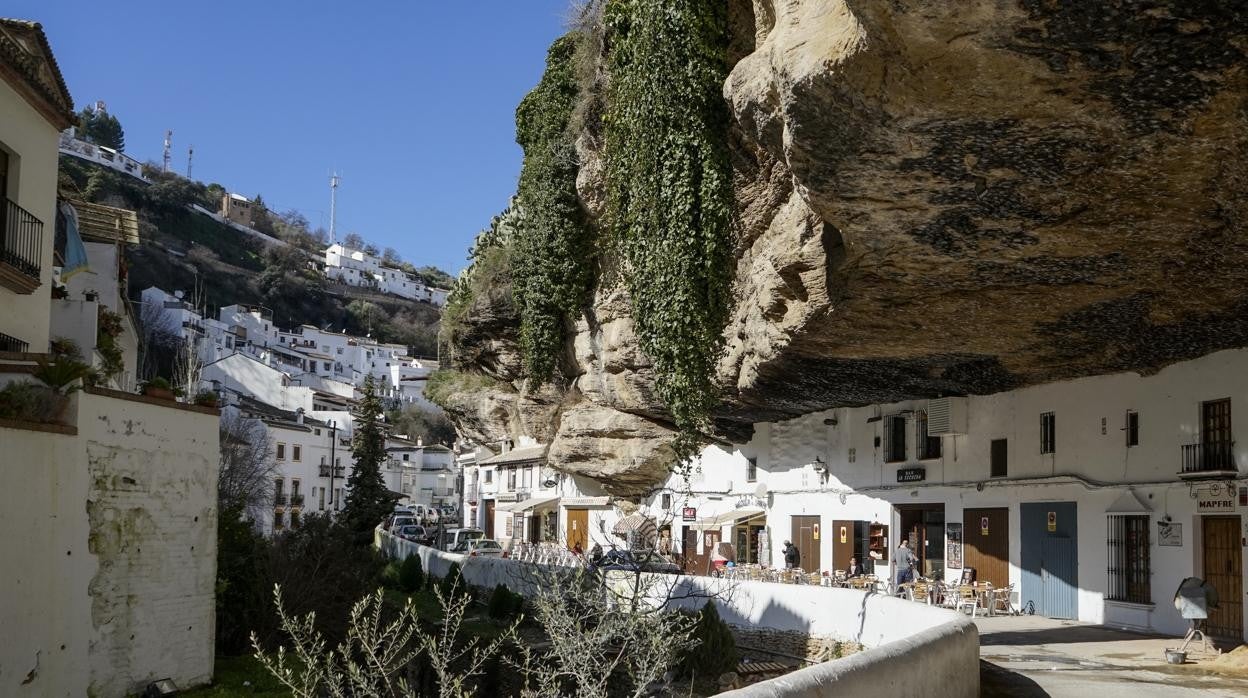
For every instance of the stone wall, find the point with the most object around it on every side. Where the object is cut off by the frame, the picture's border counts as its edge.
(793, 643)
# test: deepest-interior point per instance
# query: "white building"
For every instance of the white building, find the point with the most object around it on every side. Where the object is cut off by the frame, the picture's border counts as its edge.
(358, 268)
(1094, 498)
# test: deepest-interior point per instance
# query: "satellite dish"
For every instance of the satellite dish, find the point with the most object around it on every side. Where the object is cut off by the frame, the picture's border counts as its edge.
(761, 490)
(549, 484)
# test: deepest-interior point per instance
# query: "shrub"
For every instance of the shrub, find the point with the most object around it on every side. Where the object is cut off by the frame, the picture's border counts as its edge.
(32, 402)
(714, 650)
(453, 584)
(62, 375)
(206, 398)
(411, 574)
(504, 603)
(158, 383)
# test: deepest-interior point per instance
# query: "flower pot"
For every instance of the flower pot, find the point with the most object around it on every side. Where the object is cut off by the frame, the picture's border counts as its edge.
(158, 393)
(1175, 656)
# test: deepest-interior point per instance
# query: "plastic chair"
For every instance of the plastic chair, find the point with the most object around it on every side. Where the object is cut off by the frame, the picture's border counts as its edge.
(968, 596)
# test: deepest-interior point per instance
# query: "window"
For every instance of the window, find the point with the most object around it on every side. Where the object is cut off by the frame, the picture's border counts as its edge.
(337, 498)
(1133, 428)
(278, 522)
(489, 476)
(1048, 432)
(894, 439)
(278, 485)
(407, 456)
(667, 502)
(339, 351)
(751, 470)
(929, 446)
(1000, 454)
(1128, 559)
(296, 453)
(318, 431)
(328, 366)
(294, 488)
(321, 501)
(294, 519)
(526, 480)
(281, 451)
(511, 479)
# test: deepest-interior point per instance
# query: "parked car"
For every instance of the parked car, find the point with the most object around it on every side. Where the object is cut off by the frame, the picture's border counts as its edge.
(482, 547)
(453, 537)
(415, 533)
(638, 561)
(401, 521)
(427, 515)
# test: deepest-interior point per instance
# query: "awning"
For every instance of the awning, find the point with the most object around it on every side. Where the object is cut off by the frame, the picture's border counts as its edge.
(1128, 503)
(634, 523)
(531, 503)
(730, 517)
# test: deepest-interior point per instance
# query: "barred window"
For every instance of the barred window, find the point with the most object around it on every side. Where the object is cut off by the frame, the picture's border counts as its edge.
(894, 439)
(1048, 432)
(1129, 572)
(929, 446)
(751, 470)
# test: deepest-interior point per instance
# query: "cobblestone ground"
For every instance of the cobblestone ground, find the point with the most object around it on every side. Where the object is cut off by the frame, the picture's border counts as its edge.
(1029, 656)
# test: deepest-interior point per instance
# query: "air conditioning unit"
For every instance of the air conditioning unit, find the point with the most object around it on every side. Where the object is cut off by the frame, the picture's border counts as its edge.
(946, 416)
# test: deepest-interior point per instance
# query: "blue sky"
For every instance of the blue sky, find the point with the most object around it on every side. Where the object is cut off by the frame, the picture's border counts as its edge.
(412, 102)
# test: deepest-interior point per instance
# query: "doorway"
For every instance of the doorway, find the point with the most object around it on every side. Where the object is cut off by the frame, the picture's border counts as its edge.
(986, 544)
(578, 528)
(689, 550)
(1223, 569)
(806, 538)
(924, 526)
(535, 528)
(489, 518)
(1050, 571)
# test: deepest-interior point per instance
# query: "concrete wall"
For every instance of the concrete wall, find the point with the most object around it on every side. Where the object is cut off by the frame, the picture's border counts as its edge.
(152, 508)
(31, 142)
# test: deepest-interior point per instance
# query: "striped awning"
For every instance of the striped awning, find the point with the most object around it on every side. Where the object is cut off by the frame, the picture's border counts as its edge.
(634, 523)
(730, 517)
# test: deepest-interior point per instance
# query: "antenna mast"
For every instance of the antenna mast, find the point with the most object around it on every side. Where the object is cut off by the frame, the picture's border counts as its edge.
(168, 146)
(190, 155)
(333, 205)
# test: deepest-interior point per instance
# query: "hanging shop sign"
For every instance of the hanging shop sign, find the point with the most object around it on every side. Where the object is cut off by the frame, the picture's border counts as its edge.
(1216, 500)
(689, 514)
(915, 474)
(1169, 534)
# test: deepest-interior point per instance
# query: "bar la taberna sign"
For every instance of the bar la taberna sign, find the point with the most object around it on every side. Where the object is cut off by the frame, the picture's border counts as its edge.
(1216, 500)
(917, 474)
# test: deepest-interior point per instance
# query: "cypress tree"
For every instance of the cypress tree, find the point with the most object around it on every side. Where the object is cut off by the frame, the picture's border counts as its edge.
(368, 500)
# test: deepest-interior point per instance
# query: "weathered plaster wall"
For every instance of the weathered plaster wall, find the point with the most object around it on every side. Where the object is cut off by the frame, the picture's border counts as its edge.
(151, 502)
(44, 605)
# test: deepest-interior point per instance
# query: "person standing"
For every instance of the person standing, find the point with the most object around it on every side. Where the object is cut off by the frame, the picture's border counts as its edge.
(905, 563)
(792, 556)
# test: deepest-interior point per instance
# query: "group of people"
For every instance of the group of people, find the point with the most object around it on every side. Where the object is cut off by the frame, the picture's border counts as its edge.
(905, 559)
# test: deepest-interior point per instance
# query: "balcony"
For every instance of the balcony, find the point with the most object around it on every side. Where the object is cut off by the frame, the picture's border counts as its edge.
(338, 471)
(21, 249)
(279, 499)
(13, 344)
(1209, 460)
(296, 500)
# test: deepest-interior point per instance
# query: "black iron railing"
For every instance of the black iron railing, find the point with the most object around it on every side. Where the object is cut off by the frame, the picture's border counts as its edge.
(279, 499)
(8, 343)
(296, 500)
(21, 240)
(1212, 456)
(338, 471)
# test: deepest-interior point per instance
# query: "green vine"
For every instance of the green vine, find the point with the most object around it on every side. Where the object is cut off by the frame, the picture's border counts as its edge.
(488, 275)
(553, 254)
(107, 332)
(670, 192)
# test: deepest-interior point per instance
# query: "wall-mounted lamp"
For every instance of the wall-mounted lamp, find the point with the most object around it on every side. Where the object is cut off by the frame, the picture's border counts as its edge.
(820, 465)
(979, 487)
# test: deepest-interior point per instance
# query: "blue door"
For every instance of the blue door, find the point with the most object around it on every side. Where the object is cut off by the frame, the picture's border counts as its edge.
(1050, 568)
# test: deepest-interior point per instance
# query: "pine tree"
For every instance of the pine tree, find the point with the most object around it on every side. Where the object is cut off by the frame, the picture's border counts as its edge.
(368, 500)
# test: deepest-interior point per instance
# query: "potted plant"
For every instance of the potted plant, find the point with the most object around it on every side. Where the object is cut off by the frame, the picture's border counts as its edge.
(158, 388)
(206, 398)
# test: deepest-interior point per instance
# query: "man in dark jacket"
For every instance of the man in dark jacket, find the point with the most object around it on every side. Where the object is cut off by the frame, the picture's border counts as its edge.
(792, 558)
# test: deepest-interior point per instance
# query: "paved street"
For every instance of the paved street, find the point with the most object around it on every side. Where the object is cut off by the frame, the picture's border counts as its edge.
(1032, 656)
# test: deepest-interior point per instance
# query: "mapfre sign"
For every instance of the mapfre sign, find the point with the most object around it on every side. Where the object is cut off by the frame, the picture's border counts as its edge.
(1223, 502)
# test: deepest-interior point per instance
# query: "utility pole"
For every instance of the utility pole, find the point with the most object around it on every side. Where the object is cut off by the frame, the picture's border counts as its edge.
(190, 155)
(168, 147)
(333, 205)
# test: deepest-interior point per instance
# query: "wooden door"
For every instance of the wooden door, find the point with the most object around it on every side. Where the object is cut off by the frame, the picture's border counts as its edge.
(578, 528)
(1223, 559)
(710, 542)
(842, 543)
(986, 544)
(689, 551)
(806, 538)
(489, 518)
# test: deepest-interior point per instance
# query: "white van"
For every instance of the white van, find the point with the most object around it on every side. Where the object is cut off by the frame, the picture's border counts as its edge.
(427, 515)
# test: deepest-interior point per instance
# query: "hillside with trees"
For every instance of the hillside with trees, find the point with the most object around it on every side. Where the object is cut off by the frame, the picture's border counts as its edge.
(181, 249)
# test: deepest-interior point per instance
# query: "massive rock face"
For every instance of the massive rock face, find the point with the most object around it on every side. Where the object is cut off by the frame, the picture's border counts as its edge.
(942, 198)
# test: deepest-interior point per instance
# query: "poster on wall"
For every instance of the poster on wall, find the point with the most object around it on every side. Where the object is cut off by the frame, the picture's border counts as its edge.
(1170, 534)
(953, 553)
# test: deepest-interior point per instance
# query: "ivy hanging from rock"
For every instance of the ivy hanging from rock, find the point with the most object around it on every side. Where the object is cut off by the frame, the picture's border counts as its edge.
(670, 191)
(553, 256)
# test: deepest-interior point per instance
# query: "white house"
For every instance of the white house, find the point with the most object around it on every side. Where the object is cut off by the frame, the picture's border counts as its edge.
(1092, 498)
(358, 268)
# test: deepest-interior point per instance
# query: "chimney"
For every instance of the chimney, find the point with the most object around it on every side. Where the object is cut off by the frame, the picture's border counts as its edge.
(299, 415)
(420, 441)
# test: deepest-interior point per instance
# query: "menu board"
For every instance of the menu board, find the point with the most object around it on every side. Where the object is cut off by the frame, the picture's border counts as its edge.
(953, 551)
